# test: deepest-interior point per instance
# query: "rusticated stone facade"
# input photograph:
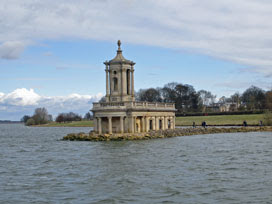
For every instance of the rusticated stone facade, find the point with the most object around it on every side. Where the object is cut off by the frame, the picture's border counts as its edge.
(121, 113)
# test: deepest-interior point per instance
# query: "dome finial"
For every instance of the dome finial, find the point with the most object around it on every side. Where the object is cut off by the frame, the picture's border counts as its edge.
(119, 44)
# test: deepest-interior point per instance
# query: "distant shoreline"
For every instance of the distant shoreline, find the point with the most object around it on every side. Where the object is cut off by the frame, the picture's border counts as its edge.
(221, 120)
(9, 122)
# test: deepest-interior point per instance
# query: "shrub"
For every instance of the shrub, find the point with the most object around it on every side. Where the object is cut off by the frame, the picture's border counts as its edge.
(30, 122)
(25, 118)
(68, 117)
(41, 116)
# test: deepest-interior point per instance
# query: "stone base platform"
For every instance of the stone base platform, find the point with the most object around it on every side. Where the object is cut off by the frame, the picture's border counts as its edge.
(92, 136)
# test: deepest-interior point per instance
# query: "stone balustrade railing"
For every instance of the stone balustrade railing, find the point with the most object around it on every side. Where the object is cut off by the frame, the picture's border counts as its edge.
(134, 104)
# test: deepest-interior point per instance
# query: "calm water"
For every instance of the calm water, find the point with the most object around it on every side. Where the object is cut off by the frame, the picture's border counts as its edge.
(37, 168)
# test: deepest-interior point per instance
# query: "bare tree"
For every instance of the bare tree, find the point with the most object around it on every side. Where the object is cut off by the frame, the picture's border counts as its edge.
(88, 116)
(207, 97)
(41, 116)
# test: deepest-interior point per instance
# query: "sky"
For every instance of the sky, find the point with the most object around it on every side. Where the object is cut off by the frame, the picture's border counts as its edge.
(52, 52)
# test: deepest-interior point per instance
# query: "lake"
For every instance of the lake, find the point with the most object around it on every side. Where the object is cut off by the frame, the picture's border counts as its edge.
(36, 167)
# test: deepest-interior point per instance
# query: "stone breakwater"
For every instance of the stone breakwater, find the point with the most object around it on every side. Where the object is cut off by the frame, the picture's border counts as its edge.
(92, 136)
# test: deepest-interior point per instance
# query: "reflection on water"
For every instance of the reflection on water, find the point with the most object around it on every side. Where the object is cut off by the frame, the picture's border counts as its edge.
(35, 167)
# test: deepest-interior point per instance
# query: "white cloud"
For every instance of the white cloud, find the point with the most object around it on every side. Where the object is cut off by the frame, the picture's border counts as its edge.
(235, 30)
(24, 101)
(21, 97)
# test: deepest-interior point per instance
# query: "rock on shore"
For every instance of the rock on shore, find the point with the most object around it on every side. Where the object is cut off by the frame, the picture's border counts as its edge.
(92, 136)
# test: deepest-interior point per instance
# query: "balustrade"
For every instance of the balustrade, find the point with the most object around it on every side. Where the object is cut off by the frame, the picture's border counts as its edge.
(134, 104)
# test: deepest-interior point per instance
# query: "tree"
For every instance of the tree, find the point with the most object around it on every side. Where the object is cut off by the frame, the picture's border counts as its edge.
(223, 99)
(254, 98)
(68, 117)
(60, 118)
(150, 95)
(30, 122)
(50, 118)
(73, 117)
(41, 116)
(25, 118)
(183, 95)
(236, 98)
(207, 97)
(168, 92)
(268, 97)
(88, 116)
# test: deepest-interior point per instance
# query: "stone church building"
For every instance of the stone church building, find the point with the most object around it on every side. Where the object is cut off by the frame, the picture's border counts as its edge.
(121, 113)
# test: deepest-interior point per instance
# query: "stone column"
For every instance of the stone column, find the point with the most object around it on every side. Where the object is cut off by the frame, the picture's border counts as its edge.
(107, 81)
(111, 82)
(174, 122)
(131, 124)
(135, 126)
(110, 124)
(132, 80)
(146, 124)
(163, 123)
(99, 125)
(124, 82)
(171, 123)
(153, 123)
(142, 124)
(166, 122)
(122, 124)
(95, 124)
(128, 81)
(157, 123)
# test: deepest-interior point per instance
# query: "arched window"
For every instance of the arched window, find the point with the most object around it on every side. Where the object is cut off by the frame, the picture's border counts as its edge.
(115, 84)
(150, 125)
(160, 124)
(128, 82)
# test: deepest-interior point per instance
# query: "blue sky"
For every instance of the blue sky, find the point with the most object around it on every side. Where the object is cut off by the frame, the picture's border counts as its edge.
(52, 52)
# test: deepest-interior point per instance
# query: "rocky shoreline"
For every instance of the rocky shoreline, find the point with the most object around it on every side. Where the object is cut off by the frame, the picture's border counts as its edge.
(92, 136)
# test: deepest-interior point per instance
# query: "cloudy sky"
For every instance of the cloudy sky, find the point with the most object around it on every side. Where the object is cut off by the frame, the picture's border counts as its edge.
(52, 52)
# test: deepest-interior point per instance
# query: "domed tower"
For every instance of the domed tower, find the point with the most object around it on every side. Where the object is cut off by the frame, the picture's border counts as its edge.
(121, 113)
(119, 78)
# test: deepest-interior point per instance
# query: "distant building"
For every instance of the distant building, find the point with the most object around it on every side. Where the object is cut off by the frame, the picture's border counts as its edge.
(121, 113)
(228, 107)
(222, 107)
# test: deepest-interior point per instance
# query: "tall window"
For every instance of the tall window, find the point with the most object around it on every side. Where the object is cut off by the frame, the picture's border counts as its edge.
(160, 124)
(128, 82)
(115, 84)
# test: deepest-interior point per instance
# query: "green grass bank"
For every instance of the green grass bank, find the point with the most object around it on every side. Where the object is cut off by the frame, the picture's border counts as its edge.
(84, 123)
(218, 120)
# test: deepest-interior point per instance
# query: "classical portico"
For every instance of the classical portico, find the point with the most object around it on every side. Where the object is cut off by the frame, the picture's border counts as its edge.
(121, 113)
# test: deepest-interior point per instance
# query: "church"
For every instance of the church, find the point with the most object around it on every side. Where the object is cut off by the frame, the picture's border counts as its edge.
(121, 113)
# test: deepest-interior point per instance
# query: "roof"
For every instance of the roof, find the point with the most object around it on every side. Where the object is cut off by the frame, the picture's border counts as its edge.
(119, 58)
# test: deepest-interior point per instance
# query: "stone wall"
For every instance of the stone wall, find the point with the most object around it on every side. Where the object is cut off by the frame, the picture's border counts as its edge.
(92, 136)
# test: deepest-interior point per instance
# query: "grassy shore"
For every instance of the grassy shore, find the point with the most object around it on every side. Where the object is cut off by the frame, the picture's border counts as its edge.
(224, 120)
(221, 120)
(84, 123)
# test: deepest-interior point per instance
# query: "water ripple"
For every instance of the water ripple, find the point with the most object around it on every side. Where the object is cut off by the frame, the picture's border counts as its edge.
(36, 167)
